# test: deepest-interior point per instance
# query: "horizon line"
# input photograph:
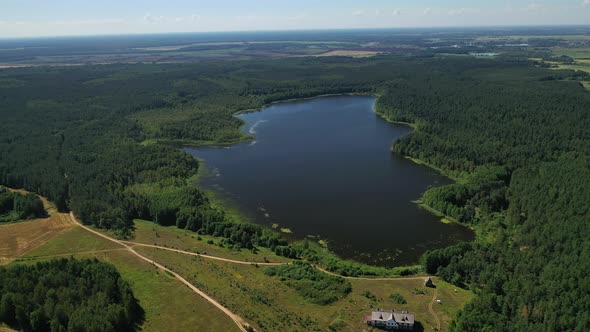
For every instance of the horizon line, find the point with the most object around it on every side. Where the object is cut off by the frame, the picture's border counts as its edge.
(295, 30)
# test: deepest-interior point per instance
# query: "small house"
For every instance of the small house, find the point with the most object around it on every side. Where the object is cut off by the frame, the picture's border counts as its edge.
(391, 320)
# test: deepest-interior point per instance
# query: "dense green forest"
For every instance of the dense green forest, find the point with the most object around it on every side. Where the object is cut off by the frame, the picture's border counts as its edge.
(14, 206)
(67, 295)
(518, 145)
(514, 135)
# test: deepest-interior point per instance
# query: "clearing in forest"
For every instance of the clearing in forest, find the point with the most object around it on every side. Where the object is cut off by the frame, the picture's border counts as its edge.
(354, 54)
(16, 239)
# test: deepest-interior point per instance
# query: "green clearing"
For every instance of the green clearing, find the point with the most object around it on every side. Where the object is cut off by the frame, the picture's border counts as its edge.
(271, 305)
(173, 237)
(168, 305)
(412, 290)
(576, 53)
(583, 65)
(75, 240)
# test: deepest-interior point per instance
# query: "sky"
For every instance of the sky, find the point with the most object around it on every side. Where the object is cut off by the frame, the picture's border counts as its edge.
(28, 18)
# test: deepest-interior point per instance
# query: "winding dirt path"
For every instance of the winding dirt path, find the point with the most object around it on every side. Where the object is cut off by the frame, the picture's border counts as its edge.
(240, 322)
(432, 310)
(368, 278)
(137, 244)
(430, 305)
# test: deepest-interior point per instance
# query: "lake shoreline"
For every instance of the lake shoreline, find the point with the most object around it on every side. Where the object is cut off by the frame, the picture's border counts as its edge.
(221, 201)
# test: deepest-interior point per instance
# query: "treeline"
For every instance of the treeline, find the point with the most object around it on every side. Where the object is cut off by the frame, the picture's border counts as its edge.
(14, 206)
(484, 191)
(67, 295)
(518, 146)
(537, 279)
(87, 144)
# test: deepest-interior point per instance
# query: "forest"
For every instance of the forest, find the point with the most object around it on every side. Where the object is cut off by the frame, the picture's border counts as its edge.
(516, 143)
(67, 295)
(15, 206)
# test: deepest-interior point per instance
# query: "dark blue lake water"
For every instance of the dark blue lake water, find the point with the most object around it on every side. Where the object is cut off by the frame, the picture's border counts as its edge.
(323, 167)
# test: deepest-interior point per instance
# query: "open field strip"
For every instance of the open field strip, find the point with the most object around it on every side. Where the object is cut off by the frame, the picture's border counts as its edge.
(167, 306)
(230, 283)
(16, 239)
(237, 319)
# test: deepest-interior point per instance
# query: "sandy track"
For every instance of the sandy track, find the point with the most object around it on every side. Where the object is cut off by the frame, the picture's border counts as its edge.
(237, 319)
(431, 310)
(430, 305)
(136, 244)
(369, 278)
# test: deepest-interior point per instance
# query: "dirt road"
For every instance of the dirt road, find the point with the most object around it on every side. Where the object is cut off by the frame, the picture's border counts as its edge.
(136, 244)
(237, 319)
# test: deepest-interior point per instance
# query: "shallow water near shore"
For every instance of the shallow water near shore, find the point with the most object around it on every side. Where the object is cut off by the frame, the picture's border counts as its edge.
(323, 167)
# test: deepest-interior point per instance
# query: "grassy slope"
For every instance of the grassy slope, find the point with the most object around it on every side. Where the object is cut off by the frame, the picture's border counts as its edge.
(273, 306)
(151, 233)
(168, 305)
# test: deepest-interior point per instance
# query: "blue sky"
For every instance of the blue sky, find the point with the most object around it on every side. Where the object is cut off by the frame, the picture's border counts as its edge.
(20, 18)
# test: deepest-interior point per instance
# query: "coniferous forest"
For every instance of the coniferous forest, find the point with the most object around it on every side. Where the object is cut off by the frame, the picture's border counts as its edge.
(14, 206)
(104, 142)
(67, 295)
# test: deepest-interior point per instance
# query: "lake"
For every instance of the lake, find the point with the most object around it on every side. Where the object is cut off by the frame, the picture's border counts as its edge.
(324, 168)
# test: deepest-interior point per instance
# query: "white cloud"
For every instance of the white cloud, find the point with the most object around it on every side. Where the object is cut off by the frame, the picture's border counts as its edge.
(463, 11)
(359, 12)
(89, 22)
(396, 12)
(427, 11)
(299, 17)
(159, 19)
(152, 19)
(586, 3)
(534, 7)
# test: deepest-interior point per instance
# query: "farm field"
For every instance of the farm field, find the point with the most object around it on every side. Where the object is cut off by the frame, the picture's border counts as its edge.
(354, 54)
(576, 53)
(17, 239)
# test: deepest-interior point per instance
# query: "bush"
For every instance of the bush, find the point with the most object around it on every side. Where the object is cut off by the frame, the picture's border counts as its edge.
(398, 298)
(315, 286)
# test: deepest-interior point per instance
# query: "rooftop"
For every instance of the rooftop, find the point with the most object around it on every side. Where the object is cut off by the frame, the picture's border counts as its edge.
(400, 316)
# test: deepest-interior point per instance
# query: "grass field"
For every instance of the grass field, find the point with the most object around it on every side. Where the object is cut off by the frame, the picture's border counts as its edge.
(168, 305)
(271, 305)
(576, 53)
(354, 54)
(172, 237)
(16, 239)
(265, 301)
(583, 65)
